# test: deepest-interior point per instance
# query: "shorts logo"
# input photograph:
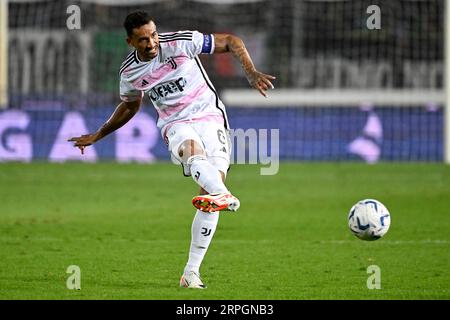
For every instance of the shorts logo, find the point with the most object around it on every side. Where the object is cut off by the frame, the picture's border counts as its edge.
(167, 88)
(221, 136)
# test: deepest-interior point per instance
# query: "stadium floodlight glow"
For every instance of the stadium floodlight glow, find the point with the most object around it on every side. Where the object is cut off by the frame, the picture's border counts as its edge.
(334, 97)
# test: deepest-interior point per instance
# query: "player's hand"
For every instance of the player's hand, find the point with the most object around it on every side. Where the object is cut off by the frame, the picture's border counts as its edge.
(84, 141)
(261, 81)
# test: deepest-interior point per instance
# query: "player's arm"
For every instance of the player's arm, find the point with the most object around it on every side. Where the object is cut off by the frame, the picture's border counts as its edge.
(123, 113)
(235, 45)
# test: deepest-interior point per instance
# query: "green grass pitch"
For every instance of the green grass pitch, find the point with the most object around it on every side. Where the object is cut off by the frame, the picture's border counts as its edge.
(127, 226)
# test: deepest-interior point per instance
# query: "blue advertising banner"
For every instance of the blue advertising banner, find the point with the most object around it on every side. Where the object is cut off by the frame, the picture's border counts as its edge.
(303, 133)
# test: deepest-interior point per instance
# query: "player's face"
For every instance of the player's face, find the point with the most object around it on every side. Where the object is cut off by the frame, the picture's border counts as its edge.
(145, 40)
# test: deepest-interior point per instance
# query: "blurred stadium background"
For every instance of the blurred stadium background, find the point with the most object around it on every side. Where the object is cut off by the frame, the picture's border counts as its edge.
(343, 91)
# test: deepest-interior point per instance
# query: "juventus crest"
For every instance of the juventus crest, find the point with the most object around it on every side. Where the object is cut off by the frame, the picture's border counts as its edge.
(171, 61)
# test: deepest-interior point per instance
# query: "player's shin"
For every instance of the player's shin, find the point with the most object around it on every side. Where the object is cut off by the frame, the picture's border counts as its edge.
(203, 229)
(206, 175)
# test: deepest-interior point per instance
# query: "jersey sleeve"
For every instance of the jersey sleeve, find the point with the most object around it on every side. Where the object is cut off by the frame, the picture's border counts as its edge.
(128, 93)
(200, 43)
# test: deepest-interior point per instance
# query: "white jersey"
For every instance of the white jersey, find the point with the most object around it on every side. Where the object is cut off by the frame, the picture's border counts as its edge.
(175, 81)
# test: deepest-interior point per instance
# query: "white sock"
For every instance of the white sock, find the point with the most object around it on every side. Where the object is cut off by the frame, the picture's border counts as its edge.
(206, 175)
(203, 229)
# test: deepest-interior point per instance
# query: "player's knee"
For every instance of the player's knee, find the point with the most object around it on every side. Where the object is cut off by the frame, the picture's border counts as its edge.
(190, 148)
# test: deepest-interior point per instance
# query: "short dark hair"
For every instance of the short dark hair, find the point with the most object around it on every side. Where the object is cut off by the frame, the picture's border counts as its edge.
(135, 20)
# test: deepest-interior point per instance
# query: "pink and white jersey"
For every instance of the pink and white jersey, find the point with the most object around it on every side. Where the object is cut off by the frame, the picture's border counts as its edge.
(175, 81)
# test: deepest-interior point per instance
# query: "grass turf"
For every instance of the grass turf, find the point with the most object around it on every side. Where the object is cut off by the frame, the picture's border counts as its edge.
(127, 227)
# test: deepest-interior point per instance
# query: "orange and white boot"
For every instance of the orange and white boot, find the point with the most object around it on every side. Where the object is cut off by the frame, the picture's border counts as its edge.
(216, 202)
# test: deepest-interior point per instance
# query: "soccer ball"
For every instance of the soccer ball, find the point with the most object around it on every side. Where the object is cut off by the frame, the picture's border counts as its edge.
(369, 219)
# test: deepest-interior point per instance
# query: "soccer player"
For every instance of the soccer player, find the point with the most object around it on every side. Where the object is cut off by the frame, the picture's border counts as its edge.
(193, 122)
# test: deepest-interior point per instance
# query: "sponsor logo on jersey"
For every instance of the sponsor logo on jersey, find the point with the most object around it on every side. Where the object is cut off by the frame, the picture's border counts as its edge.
(167, 88)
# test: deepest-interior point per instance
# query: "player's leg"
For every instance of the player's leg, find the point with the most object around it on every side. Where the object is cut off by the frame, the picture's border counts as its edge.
(218, 150)
(193, 155)
(202, 231)
(205, 221)
(186, 147)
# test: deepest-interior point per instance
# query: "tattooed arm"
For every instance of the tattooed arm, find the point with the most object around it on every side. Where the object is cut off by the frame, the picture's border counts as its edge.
(235, 45)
